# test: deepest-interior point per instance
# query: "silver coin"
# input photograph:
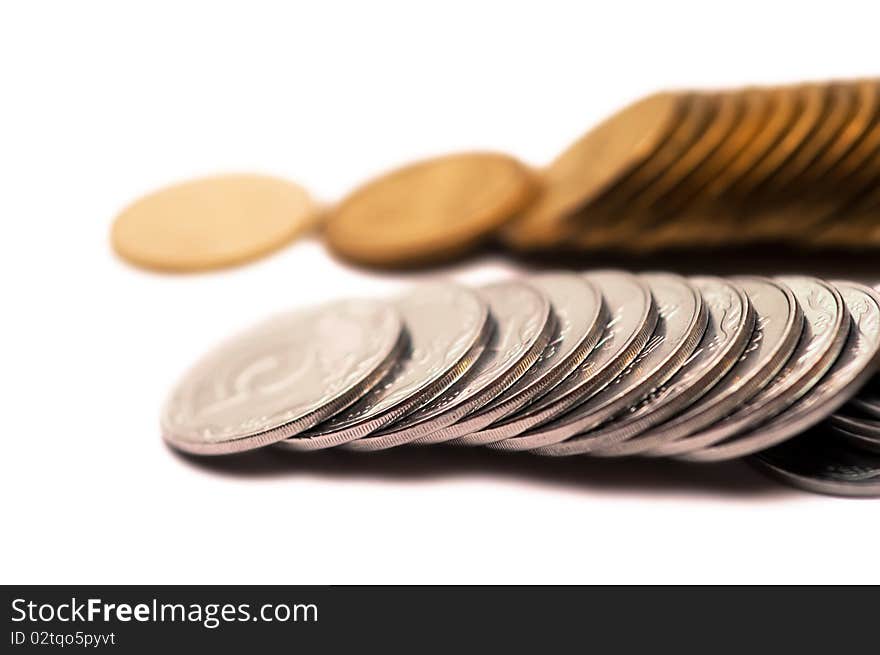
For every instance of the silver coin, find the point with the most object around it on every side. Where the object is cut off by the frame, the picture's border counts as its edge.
(868, 399)
(858, 431)
(856, 364)
(728, 331)
(522, 329)
(826, 325)
(447, 327)
(679, 329)
(868, 406)
(580, 316)
(819, 463)
(778, 327)
(281, 377)
(633, 316)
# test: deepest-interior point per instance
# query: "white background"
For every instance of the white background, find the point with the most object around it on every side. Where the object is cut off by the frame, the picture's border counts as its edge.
(101, 102)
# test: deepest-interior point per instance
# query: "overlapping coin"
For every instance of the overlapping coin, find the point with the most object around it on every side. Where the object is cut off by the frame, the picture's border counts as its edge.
(796, 164)
(601, 363)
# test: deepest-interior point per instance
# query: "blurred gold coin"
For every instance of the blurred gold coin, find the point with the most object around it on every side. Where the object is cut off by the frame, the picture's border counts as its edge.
(429, 211)
(590, 166)
(687, 208)
(212, 222)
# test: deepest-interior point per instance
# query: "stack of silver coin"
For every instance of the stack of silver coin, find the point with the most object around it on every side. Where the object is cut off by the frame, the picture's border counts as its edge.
(601, 363)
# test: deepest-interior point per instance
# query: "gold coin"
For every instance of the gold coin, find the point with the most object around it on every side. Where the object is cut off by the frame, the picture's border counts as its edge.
(839, 110)
(609, 221)
(822, 193)
(719, 220)
(856, 163)
(212, 222)
(593, 164)
(812, 102)
(774, 221)
(653, 202)
(430, 210)
(726, 116)
(855, 226)
(685, 221)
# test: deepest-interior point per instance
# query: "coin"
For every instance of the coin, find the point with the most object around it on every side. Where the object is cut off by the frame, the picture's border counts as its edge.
(868, 399)
(212, 222)
(447, 327)
(731, 322)
(580, 316)
(687, 207)
(778, 327)
(858, 431)
(679, 329)
(817, 462)
(523, 326)
(591, 165)
(606, 221)
(856, 364)
(811, 102)
(281, 377)
(632, 316)
(655, 202)
(826, 326)
(428, 211)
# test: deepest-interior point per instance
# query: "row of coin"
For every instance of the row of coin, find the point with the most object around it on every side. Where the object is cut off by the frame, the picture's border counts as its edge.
(790, 164)
(603, 363)
(797, 164)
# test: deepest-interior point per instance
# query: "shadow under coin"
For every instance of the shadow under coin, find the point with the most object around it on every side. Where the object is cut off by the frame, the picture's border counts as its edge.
(638, 476)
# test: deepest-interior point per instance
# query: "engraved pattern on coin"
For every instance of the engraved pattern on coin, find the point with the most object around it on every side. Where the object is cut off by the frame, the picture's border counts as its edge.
(730, 324)
(825, 329)
(520, 314)
(857, 362)
(280, 371)
(579, 312)
(679, 329)
(443, 322)
(778, 327)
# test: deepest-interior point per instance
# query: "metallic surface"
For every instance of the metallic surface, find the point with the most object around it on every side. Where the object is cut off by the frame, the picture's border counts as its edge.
(678, 331)
(282, 376)
(522, 329)
(580, 316)
(731, 322)
(819, 463)
(856, 364)
(448, 327)
(826, 327)
(778, 327)
(632, 318)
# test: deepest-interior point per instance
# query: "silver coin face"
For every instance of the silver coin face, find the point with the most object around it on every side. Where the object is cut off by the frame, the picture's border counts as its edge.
(522, 329)
(282, 376)
(632, 318)
(577, 305)
(447, 327)
(778, 327)
(579, 314)
(818, 462)
(731, 321)
(826, 324)
(678, 331)
(855, 365)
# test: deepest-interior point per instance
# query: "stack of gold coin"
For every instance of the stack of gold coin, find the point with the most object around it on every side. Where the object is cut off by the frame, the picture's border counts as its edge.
(796, 164)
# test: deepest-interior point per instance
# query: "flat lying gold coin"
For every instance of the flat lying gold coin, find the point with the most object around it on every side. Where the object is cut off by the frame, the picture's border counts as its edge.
(212, 222)
(431, 210)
